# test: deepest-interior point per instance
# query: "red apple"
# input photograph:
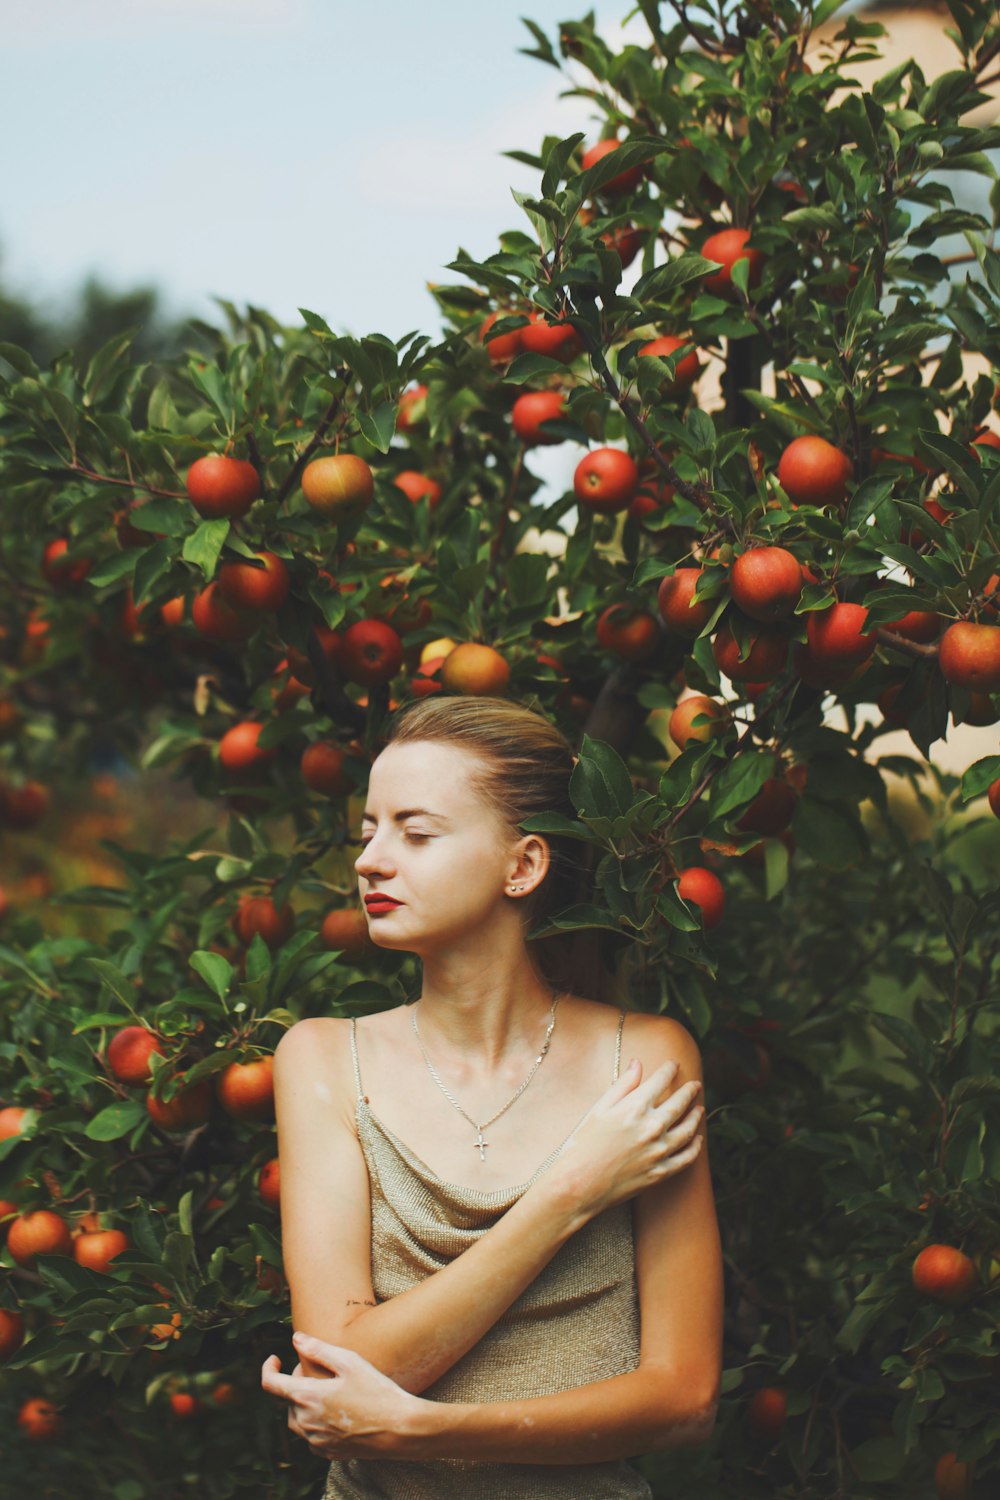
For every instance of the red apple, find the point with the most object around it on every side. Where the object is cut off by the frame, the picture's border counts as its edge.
(704, 890)
(687, 370)
(190, 1106)
(39, 1233)
(96, 1250)
(371, 653)
(676, 602)
(615, 186)
(216, 619)
(606, 480)
(258, 914)
(764, 661)
(322, 767)
(239, 752)
(412, 408)
(475, 668)
(244, 585)
(728, 246)
(63, 576)
(220, 487)
(268, 1183)
(246, 1090)
(415, 486)
(531, 411)
(345, 930)
(766, 583)
(812, 471)
(628, 632)
(946, 1274)
(836, 636)
(682, 728)
(922, 625)
(969, 656)
(129, 1051)
(338, 487)
(558, 340)
(503, 347)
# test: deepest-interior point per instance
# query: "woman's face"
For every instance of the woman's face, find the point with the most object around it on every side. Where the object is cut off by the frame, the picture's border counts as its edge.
(430, 842)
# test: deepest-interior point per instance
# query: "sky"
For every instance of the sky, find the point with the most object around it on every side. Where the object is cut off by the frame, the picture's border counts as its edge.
(286, 153)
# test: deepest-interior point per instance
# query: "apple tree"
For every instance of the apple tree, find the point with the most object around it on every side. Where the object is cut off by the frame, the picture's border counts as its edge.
(749, 313)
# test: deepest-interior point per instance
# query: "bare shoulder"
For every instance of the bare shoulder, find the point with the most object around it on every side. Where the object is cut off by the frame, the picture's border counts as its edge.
(327, 1035)
(659, 1039)
(317, 1051)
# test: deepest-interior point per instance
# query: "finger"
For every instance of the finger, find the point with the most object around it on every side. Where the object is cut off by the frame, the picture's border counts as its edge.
(332, 1357)
(671, 1165)
(276, 1384)
(659, 1081)
(685, 1130)
(676, 1105)
(647, 1088)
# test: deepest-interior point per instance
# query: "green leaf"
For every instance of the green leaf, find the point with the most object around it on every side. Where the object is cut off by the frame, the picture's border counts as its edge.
(980, 776)
(216, 971)
(315, 323)
(741, 780)
(529, 366)
(211, 381)
(117, 982)
(878, 1460)
(19, 359)
(600, 785)
(830, 833)
(378, 427)
(171, 517)
(907, 1038)
(184, 1212)
(662, 280)
(115, 1120)
(776, 867)
(555, 823)
(576, 918)
(556, 161)
(676, 912)
(859, 1323)
(116, 567)
(630, 153)
(205, 544)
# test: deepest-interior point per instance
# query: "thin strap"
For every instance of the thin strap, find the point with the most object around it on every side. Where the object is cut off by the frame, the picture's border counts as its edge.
(354, 1055)
(618, 1046)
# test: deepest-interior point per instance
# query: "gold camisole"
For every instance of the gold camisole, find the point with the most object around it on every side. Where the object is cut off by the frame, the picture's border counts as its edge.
(578, 1322)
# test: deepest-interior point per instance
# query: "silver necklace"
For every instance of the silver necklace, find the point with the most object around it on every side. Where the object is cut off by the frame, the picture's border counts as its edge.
(479, 1128)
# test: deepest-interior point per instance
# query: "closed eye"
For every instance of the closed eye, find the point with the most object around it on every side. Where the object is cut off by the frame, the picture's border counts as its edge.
(415, 838)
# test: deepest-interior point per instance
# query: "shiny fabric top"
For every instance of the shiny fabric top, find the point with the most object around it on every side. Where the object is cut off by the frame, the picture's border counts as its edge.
(577, 1322)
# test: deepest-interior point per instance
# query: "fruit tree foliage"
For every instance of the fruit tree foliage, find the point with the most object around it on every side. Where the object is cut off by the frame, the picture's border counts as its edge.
(845, 1002)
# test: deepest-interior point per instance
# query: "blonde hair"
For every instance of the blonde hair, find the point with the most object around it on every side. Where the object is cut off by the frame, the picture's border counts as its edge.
(522, 766)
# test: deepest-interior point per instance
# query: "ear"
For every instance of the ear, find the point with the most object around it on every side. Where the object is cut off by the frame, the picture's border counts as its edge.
(532, 857)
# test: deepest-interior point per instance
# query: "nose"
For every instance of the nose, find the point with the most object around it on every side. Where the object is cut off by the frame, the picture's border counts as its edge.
(372, 861)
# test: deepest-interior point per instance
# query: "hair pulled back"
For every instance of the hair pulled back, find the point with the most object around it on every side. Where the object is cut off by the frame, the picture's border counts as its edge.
(522, 766)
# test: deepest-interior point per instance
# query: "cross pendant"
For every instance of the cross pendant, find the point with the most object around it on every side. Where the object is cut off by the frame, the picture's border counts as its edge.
(481, 1144)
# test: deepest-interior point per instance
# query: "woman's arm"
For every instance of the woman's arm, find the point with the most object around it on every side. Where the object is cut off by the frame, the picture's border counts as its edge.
(417, 1336)
(326, 1231)
(646, 1409)
(670, 1399)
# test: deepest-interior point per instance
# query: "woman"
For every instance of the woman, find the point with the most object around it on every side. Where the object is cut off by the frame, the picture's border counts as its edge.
(462, 1337)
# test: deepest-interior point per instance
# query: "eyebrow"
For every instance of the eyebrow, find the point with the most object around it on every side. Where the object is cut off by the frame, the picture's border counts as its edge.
(409, 812)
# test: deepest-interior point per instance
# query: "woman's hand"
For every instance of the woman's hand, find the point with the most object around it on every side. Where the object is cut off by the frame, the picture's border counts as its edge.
(359, 1413)
(631, 1138)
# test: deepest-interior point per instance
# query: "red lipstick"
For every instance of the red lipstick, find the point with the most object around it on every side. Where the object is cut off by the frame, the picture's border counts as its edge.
(379, 902)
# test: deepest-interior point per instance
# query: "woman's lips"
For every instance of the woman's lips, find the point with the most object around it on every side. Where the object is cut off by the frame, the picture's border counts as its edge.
(381, 903)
